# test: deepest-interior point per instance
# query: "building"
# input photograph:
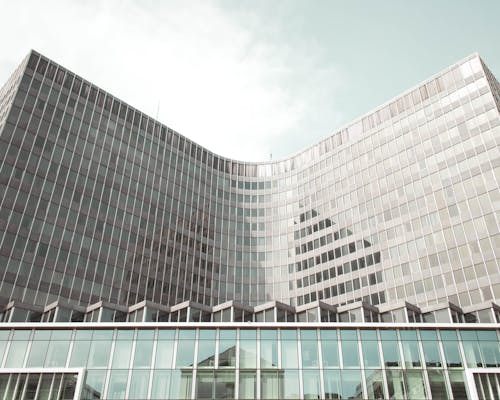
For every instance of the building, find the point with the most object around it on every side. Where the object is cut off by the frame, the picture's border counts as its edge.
(137, 264)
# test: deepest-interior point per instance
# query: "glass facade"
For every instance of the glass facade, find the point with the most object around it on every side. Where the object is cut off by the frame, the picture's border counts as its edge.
(348, 270)
(265, 362)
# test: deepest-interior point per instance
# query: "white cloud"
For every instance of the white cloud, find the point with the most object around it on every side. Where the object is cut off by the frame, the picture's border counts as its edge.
(216, 80)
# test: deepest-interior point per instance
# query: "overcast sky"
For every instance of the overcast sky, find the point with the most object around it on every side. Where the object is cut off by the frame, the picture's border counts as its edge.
(247, 79)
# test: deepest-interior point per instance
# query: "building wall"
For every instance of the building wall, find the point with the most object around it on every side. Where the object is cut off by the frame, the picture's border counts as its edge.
(100, 202)
(266, 362)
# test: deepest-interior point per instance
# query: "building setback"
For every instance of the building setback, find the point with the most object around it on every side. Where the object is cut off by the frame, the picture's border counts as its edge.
(136, 264)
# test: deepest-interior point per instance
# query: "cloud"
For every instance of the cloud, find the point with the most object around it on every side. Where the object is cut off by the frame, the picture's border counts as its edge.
(211, 74)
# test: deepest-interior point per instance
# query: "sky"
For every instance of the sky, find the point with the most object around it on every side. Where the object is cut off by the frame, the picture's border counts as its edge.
(252, 80)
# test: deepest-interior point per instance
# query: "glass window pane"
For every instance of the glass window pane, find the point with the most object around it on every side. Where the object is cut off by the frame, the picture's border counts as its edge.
(180, 384)
(268, 353)
(350, 354)
(269, 385)
(395, 384)
(390, 349)
(289, 382)
(331, 380)
(490, 351)
(375, 384)
(121, 354)
(17, 350)
(472, 354)
(248, 348)
(248, 385)
(224, 384)
(204, 385)
(289, 354)
(312, 389)
(351, 384)
(143, 352)
(139, 383)
(371, 356)
(437, 384)
(117, 384)
(164, 354)
(452, 354)
(206, 353)
(161, 384)
(227, 348)
(185, 353)
(415, 385)
(99, 354)
(37, 353)
(309, 353)
(457, 382)
(411, 354)
(431, 353)
(94, 384)
(80, 353)
(57, 353)
(329, 348)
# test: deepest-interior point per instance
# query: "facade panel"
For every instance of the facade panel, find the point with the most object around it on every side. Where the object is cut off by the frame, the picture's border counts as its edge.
(110, 220)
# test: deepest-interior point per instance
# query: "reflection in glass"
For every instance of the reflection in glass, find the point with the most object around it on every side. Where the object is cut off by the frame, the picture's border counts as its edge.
(204, 384)
(99, 354)
(185, 353)
(143, 352)
(352, 387)
(350, 355)
(415, 384)
(331, 378)
(437, 384)
(227, 348)
(164, 354)
(312, 389)
(121, 354)
(374, 384)
(289, 383)
(224, 384)
(329, 348)
(248, 348)
(248, 385)
(289, 353)
(180, 384)
(117, 384)
(161, 384)
(269, 385)
(139, 383)
(431, 353)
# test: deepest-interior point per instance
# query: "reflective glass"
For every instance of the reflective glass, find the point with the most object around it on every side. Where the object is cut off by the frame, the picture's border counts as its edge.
(117, 385)
(143, 353)
(180, 384)
(161, 384)
(99, 354)
(224, 384)
(139, 383)
(437, 384)
(350, 353)
(248, 348)
(269, 385)
(351, 384)
(331, 379)
(312, 388)
(248, 385)
(374, 384)
(289, 382)
(414, 383)
(164, 354)
(121, 354)
(227, 348)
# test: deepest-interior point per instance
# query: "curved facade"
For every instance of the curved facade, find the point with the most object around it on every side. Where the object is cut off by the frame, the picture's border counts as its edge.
(349, 270)
(101, 202)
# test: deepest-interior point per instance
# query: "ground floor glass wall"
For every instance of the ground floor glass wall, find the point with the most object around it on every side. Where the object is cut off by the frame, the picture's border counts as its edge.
(248, 363)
